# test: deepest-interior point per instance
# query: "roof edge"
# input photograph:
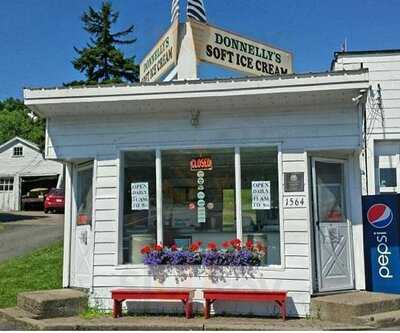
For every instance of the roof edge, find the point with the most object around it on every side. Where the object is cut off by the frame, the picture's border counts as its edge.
(26, 142)
(203, 81)
(337, 54)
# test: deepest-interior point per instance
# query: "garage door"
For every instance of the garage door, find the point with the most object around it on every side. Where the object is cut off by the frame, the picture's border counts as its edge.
(7, 194)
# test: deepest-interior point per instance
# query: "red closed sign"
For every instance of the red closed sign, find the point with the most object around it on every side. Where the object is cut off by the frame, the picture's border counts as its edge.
(201, 163)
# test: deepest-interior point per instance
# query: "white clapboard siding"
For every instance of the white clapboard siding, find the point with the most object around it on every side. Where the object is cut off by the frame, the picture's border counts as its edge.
(383, 122)
(104, 248)
(253, 132)
(296, 226)
(106, 226)
(296, 237)
(142, 270)
(203, 282)
(236, 308)
(298, 127)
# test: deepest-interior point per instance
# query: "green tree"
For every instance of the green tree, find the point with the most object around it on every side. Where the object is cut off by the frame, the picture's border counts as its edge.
(101, 60)
(17, 120)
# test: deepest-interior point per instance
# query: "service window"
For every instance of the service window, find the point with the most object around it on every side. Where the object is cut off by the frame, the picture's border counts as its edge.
(140, 215)
(198, 196)
(198, 190)
(260, 200)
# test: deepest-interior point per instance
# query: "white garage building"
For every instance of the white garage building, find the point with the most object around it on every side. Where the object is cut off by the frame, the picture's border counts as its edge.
(23, 167)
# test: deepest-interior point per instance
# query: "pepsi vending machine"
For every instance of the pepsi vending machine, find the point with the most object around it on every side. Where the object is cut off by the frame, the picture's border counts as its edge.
(382, 242)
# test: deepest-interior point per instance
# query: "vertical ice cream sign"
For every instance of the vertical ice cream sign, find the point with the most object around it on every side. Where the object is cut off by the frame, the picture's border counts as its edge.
(162, 58)
(140, 196)
(200, 165)
(261, 195)
(201, 203)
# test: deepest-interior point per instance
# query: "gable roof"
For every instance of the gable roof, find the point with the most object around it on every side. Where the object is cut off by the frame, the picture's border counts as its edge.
(20, 140)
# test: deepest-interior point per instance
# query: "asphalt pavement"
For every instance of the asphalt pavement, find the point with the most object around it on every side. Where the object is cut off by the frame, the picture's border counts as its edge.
(25, 232)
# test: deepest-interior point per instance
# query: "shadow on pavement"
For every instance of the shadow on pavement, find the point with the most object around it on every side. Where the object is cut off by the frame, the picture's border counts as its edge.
(10, 217)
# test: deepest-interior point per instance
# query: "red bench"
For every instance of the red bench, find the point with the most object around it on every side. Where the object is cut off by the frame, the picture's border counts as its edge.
(184, 295)
(212, 295)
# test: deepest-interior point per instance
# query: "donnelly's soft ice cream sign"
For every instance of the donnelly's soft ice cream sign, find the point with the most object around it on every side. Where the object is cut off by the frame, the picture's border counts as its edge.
(382, 242)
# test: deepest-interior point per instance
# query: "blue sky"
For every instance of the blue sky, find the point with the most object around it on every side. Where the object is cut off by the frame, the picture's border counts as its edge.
(37, 36)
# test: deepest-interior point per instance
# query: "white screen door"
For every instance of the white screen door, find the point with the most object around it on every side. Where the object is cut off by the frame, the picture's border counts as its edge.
(82, 226)
(331, 227)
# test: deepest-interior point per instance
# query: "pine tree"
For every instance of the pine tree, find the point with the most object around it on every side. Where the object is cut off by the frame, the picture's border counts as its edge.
(101, 60)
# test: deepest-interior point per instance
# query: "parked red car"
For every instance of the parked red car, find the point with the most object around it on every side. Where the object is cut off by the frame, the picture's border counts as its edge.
(54, 200)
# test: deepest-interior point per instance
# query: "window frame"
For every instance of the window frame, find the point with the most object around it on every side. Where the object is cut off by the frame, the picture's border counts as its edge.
(6, 184)
(21, 148)
(238, 202)
(387, 161)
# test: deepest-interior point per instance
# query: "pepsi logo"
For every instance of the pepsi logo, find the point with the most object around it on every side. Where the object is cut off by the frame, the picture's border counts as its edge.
(380, 216)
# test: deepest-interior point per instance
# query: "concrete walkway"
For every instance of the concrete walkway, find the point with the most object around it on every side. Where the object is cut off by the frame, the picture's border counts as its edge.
(173, 323)
(27, 231)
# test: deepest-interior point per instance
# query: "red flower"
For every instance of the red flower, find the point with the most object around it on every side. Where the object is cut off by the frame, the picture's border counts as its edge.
(158, 248)
(236, 243)
(174, 247)
(226, 244)
(249, 244)
(198, 243)
(212, 246)
(145, 250)
(194, 247)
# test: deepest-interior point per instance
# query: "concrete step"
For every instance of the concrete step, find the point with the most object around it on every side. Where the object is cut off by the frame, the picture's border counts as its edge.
(348, 306)
(380, 320)
(53, 303)
(22, 319)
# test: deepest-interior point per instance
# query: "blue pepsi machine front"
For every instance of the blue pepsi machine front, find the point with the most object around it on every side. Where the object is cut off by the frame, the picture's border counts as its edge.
(381, 214)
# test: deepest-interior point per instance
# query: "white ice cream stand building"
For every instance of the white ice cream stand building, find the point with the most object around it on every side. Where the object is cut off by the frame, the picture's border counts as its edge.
(300, 135)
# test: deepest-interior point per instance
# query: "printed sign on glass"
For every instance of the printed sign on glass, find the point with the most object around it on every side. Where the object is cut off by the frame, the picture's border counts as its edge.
(201, 164)
(140, 196)
(261, 195)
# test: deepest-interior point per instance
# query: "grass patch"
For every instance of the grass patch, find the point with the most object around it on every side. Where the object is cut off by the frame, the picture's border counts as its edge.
(93, 313)
(40, 270)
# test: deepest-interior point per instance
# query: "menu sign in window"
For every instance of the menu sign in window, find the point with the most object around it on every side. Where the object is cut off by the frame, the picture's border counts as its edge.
(140, 196)
(261, 195)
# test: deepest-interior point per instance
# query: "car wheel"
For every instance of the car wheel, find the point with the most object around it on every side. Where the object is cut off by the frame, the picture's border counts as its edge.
(46, 211)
